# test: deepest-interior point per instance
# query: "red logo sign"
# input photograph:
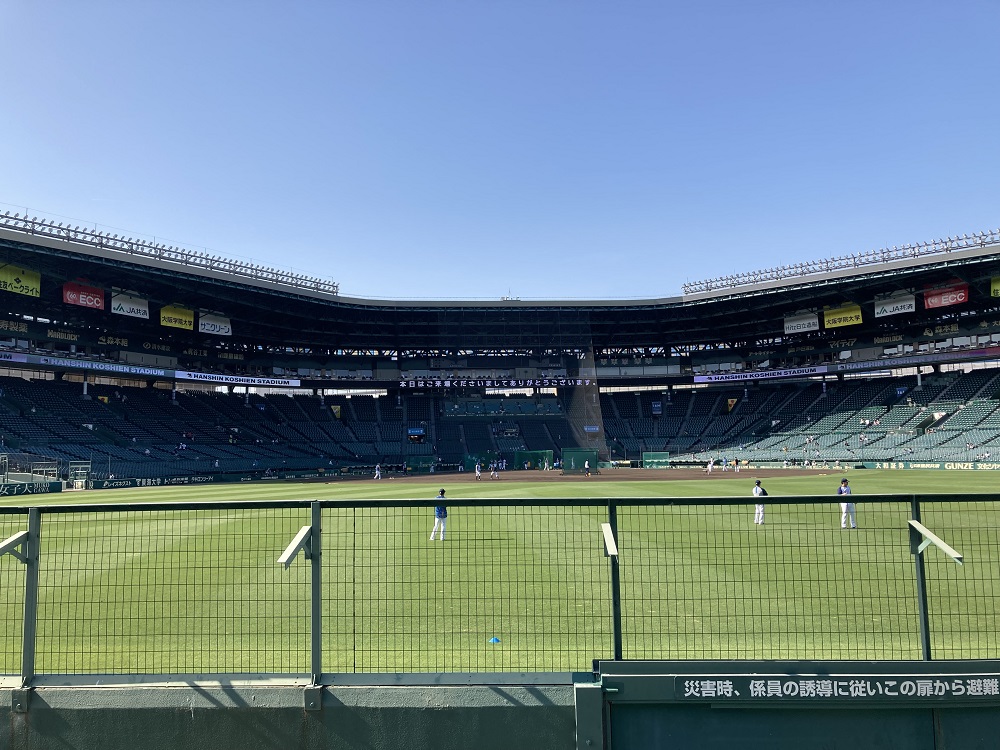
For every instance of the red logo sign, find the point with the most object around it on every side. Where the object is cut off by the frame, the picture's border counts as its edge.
(955, 294)
(84, 296)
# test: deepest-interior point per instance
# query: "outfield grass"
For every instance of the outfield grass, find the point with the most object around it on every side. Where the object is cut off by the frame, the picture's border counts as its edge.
(200, 591)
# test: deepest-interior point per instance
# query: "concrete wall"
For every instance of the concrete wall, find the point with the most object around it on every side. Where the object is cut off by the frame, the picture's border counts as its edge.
(222, 717)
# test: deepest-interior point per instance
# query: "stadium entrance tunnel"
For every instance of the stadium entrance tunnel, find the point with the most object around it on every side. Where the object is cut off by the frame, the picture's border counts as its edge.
(897, 705)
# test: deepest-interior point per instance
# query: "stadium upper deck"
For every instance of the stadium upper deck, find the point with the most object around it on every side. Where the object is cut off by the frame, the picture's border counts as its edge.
(70, 294)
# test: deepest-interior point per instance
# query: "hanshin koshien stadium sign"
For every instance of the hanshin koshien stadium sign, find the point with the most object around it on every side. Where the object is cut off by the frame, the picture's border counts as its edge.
(211, 377)
(792, 372)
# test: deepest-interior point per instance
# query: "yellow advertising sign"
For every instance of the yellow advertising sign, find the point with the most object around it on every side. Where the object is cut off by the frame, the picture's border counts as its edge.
(848, 315)
(20, 280)
(995, 286)
(177, 317)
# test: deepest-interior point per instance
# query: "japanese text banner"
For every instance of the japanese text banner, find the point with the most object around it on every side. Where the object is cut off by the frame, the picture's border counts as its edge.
(177, 317)
(848, 315)
(133, 307)
(20, 280)
(215, 325)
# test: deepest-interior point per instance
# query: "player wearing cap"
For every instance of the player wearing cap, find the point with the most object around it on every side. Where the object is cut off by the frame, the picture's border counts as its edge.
(759, 492)
(440, 516)
(846, 508)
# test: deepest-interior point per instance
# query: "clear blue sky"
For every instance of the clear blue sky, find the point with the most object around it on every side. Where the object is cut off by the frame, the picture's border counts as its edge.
(470, 149)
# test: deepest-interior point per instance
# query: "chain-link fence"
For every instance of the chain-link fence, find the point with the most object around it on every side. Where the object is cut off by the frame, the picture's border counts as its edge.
(514, 585)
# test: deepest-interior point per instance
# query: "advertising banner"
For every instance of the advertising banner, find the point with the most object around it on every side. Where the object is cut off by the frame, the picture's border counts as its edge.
(20, 280)
(124, 304)
(792, 372)
(29, 488)
(953, 294)
(215, 325)
(84, 296)
(995, 286)
(848, 315)
(211, 377)
(895, 306)
(173, 316)
(802, 323)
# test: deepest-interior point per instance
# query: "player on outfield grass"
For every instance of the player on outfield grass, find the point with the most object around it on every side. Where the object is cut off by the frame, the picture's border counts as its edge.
(846, 508)
(440, 516)
(759, 492)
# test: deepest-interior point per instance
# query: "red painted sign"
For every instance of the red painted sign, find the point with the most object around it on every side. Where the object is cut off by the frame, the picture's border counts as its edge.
(954, 294)
(84, 296)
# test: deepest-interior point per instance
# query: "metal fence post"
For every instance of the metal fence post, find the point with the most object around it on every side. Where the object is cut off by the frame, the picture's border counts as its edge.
(616, 600)
(918, 557)
(316, 647)
(30, 597)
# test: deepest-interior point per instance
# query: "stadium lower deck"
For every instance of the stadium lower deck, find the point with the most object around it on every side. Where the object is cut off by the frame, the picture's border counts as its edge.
(152, 432)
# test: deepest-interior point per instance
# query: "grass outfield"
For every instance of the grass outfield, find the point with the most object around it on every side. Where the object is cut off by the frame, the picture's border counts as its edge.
(176, 591)
(632, 484)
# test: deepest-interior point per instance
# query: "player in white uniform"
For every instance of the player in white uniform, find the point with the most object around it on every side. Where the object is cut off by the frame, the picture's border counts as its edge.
(847, 511)
(758, 514)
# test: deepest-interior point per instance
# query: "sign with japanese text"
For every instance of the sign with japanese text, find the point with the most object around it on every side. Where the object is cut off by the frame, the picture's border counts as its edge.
(802, 323)
(215, 325)
(29, 488)
(424, 383)
(124, 304)
(995, 286)
(895, 306)
(848, 315)
(844, 688)
(20, 280)
(83, 296)
(173, 316)
(954, 294)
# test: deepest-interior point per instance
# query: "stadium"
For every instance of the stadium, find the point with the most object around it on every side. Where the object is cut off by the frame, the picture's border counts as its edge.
(118, 352)
(129, 365)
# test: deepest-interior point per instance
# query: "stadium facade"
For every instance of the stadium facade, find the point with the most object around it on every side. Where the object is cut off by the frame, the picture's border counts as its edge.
(100, 311)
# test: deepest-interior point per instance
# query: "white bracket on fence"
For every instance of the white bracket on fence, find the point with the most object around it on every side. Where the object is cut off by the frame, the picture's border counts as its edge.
(11, 545)
(302, 541)
(610, 545)
(931, 538)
